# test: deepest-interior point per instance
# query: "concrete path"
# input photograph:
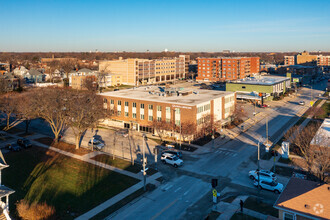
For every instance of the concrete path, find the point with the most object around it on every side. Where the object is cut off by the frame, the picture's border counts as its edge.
(117, 198)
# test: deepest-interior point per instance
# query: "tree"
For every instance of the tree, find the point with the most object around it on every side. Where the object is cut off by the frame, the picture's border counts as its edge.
(51, 104)
(238, 114)
(67, 66)
(90, 83)
(316, 158)
(53, 65)
(8, 105)
(37, 211)
(188, 129)
(25, 110)
(161, 127)
(84, 112)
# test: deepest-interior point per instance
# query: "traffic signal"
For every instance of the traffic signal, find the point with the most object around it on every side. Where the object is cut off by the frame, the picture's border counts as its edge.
(214, 183)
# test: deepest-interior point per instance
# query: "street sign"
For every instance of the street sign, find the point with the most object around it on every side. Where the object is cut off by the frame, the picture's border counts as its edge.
(214, 192)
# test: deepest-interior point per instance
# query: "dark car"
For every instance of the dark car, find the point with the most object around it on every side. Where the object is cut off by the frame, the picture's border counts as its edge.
(13, 147)
(174, 152)
(23, 142)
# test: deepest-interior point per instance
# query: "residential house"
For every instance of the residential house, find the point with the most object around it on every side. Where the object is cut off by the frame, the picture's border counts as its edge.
(34, 76)
(304, 199)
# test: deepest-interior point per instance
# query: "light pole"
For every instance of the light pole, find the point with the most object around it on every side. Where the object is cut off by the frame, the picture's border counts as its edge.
(144, 161)
(258, 169)
(267, 129)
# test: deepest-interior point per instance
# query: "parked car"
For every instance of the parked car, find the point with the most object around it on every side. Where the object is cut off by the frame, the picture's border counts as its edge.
(301, 103)
(263, 106)
(97, 144)
(13, 147)
(170, 146)
(171, 159)
(264, 175)
(23, 142)
(272, 186)
(174, 152)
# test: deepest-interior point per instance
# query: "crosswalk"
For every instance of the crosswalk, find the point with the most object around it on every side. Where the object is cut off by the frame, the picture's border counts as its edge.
(226, 152)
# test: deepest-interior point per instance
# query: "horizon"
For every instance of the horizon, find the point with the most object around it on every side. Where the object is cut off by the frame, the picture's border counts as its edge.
(185, 26)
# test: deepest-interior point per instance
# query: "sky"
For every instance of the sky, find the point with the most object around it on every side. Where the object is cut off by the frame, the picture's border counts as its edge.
(186, 26)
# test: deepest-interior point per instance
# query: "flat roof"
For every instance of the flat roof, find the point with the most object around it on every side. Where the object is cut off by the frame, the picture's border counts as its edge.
(157, 94)
(261, 80)
(322, 136)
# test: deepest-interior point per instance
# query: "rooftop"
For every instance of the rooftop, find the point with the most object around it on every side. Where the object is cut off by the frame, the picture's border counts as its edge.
(306, 198)
(261, 80)
(176, 95)
(322, 135)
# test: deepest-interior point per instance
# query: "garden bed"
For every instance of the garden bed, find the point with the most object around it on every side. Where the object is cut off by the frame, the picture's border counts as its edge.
(264, 208)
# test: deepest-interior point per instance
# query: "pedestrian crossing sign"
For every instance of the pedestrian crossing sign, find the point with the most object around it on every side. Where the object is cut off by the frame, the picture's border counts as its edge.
(214, 192)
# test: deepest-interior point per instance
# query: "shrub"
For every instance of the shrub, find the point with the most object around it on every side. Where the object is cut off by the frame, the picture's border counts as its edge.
(34, 211)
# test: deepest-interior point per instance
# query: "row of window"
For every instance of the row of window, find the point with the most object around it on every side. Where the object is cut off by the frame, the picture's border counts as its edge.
(203, 108)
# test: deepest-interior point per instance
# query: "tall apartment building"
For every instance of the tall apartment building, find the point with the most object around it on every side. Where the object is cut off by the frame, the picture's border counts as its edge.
(289, 60)
(305, 57)
(226, 68)
(138, 108)
(144, 71)
(323, 60)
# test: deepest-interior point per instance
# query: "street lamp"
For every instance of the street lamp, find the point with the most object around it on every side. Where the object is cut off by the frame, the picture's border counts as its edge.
(144, 161)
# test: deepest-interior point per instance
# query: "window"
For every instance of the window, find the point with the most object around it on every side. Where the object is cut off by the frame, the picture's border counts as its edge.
(134, 115)
(159, 118)
(159, 108)
(119, 102)
(150, 118)
(168, 109)
(126, 103)
(105, 101)
(118, 113)
(126, 114)
(243, 87)
(142, 117)
(134, 104)
(168, 120)
(112, 101)
(150, 107)
(177, 122)
(142, 106)
(288, 216)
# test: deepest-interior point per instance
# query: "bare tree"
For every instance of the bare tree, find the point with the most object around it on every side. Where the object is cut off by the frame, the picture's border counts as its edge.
(8, 106)
(188, 129)
(85, 110)
(67, 66)
(53, 65)
(25, 110)
(238, 114)
(51, 104)
(161, 127)
(90, 83)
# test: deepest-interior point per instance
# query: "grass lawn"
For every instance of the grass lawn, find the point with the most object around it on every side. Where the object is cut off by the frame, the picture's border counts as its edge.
(240, 216)
(45, 140)
(213, 215)
(283, 171)
(264, 208)
(72, 186)
(122, 164)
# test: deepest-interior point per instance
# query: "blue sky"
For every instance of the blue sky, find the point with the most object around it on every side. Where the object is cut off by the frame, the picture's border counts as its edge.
(240, 25)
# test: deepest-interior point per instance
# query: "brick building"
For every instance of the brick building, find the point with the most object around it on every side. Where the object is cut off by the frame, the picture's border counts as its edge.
(225, 68)
(289, 60)
(144, 71)
(323, 60)
(138, 108)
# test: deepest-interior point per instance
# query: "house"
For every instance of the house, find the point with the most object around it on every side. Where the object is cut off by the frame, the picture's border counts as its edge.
(8, 82)
(34, 76)
(20, 71)
(322, 136)
(304, 199)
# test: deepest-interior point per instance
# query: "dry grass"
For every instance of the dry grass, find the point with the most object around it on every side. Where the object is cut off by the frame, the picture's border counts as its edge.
(35, 211)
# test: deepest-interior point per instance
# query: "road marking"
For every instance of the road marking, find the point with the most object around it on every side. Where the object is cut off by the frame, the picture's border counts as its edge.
(186, 192)
(177, 189)
(169, 187)
(164, 209)
(235, 155)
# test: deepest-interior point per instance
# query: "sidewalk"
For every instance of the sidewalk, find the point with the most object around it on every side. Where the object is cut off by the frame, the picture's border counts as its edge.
(227, 210)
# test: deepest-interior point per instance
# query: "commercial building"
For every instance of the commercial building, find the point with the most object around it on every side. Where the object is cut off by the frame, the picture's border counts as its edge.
(305, 58)
(323, 60)
(144, 71)
(138, 108)
(226, 68)
(252, 87)
(303, 199)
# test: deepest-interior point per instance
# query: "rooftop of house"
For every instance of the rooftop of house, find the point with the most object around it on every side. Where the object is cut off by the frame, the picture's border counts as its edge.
(85, 70)
(174, 95)
(34, 72)
(322, 136)
(306, 198)
(261, 80)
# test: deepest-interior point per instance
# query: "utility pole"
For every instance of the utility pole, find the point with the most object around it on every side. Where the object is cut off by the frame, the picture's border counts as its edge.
(144, 161)
(267, 129)
(180, 130)
(259, 169)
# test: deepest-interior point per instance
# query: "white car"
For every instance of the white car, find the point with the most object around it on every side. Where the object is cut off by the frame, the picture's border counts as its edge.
(264, 175)
(301, 103)
(97, 144)
(171, 159)
(272, 186)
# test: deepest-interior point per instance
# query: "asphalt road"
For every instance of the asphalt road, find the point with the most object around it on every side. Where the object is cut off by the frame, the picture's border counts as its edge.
(230, 162)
